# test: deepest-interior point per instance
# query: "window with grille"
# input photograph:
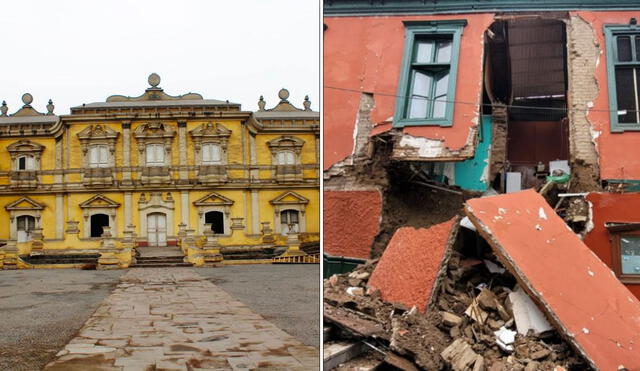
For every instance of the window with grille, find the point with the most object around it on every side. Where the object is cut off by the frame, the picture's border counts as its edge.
(26, 163)
(155, 154)
(211, 154)
(285, 158)
(98, 156)
(289, 221)
(623, 70)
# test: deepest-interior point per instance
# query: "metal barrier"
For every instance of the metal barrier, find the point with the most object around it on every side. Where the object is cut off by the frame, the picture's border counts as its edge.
(302, 259)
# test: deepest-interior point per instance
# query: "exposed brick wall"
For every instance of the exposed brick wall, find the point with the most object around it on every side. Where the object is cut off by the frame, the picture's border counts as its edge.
(351, 222)
(498, 155)
(582, 55)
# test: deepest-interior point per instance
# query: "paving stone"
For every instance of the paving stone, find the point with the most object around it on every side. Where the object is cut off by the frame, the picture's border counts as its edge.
(173, 319)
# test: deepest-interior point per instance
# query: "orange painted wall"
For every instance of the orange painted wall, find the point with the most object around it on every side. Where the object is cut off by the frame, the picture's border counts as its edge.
(365, 54)
(615, 149)
(611, 207)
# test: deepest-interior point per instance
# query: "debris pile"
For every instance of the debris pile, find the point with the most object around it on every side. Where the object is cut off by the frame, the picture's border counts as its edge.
(478, 319)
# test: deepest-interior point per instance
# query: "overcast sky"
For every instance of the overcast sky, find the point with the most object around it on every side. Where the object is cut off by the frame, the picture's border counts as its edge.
(78, 52)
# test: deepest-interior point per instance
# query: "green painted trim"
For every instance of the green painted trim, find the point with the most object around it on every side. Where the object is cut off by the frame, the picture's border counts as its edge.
(391, 7)
(634, 185)
(610, 31)
(415, 29)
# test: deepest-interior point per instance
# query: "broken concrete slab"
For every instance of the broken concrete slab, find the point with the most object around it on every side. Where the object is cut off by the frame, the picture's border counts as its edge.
(409, 270)
(580, 295)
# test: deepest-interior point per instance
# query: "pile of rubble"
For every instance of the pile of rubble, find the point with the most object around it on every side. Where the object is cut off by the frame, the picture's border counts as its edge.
(478, 319)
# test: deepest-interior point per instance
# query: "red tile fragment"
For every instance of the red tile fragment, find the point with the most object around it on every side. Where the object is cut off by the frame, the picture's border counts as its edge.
(574, 288)
(409, 267)
(351, 222)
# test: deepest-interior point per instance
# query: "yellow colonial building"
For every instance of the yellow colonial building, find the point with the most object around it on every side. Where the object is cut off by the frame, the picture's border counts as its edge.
(157, 170)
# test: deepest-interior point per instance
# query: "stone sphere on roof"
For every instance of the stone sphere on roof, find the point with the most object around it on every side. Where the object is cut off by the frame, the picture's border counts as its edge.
(283, 94)
(27, 98)
(154, 80)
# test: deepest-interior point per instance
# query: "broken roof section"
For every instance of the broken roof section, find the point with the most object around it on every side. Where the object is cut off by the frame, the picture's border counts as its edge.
(576, 290)
(410, 267)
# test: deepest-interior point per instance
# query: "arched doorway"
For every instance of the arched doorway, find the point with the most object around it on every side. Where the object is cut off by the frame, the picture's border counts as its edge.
(157, 229)
(97, 222)
(216, 219)
(26, 224)
(289, 221)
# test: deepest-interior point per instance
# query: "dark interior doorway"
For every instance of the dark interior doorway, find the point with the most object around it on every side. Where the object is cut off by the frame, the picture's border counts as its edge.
(216, 219)
(97, 222)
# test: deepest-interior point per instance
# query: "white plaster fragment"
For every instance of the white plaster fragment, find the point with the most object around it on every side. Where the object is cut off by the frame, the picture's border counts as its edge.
(590, 272)
(538, 227)
(425, 147)
(585, 330)
(501, 211)
(541, 214)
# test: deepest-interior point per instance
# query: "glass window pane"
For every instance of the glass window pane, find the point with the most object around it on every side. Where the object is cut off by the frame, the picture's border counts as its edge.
(630, 254)
(93, 155)
(215, 153)
(206, 153)
(424, 51)
(637, 39)
(439, 107)
(30, 163)
(150, 154)
(421, 84)
(625, 95)
(444, 52)
(103, 155)
(624, 48)
(159, 153)
(22, 163)
(418, 108)
(442, 86)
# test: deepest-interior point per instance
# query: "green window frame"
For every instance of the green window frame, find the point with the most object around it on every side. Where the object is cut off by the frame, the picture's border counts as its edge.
(427, 86)
(623, 75)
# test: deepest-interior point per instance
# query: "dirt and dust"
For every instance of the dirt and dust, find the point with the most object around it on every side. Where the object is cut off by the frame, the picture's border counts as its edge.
(448, 336)
(408, 204)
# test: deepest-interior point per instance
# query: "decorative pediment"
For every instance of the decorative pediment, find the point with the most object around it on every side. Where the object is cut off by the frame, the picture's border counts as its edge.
(24, 203)
(289, 198)
(99, 201)
(154, 130)
(286, 142)
(24, 147)
(95, 132)
(213, 199)
(210, 130)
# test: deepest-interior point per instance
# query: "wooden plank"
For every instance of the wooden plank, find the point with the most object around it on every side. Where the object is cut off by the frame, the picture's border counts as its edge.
(352, 322)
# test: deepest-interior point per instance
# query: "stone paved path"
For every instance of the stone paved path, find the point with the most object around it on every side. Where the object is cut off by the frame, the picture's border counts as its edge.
(173, 319)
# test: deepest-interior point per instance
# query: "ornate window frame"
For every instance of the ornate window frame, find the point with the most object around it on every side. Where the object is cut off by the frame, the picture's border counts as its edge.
(210, 133)
(99, 204)
(154, 133)
(214, 202)
(34, 210)
(286, 143)
(280, 204)
(98, 135)
(25, 148)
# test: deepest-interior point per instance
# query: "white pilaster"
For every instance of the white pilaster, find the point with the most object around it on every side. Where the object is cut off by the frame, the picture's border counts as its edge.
(128, 204)
(255, 212)
(184, 208)
(59, 216)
